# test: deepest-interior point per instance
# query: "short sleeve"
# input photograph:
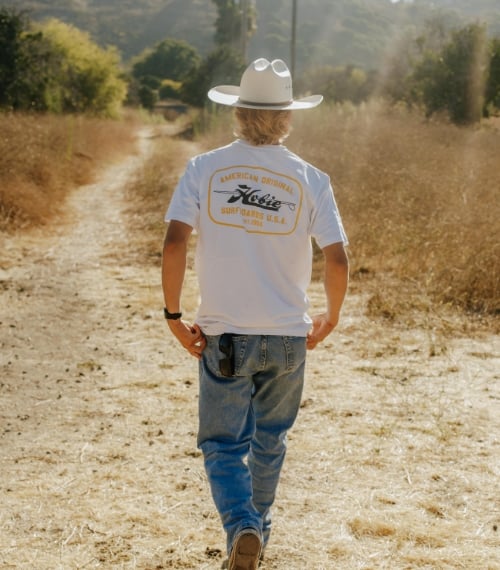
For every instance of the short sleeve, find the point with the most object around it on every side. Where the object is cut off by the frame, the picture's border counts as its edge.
(326, 223)
(185, 203)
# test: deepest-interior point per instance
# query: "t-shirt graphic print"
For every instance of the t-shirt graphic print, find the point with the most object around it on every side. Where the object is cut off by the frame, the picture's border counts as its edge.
(255, 199)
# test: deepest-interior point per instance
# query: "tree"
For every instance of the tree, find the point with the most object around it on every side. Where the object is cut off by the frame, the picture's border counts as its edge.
(222, 66)
(235, 24)
(12, 25)
(454, 79)
(169, 59)
(492, 93)
(26, 62)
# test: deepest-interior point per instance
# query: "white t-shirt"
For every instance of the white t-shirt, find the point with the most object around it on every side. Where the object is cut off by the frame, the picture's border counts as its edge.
(255, 209)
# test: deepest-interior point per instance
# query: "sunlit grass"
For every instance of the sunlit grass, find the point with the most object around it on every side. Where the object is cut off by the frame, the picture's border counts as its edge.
(419, 200)
(42, 158)
(148, 194)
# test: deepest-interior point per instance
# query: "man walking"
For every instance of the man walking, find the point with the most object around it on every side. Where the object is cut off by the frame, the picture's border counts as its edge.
(255, 207)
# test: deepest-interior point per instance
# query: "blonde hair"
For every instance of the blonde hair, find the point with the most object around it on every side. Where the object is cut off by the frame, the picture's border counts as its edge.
(262, 126)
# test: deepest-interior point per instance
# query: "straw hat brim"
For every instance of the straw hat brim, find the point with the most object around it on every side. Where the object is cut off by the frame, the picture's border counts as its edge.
(230, 95)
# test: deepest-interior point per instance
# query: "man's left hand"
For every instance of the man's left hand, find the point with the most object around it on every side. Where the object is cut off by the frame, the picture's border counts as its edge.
(190, 336)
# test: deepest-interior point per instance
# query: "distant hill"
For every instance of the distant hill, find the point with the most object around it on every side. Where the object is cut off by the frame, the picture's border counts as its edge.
(334, 32)
(130, 25)
(357, 32)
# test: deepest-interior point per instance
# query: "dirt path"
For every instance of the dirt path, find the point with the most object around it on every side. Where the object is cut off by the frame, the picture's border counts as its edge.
(394, 462)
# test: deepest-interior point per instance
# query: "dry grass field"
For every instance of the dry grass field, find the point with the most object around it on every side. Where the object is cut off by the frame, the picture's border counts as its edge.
(420, 200)
(394, 461)
(43, 157)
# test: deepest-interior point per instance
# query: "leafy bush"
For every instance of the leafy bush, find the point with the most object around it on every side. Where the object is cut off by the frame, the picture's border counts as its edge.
(56, 68)
(170, 89)
(169, 59)
(88, 79)
(158, 72)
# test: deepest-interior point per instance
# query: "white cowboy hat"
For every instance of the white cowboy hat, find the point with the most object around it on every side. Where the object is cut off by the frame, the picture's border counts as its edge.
(264, 85)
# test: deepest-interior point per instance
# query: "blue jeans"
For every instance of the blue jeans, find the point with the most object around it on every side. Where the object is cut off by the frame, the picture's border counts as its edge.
(243, 422)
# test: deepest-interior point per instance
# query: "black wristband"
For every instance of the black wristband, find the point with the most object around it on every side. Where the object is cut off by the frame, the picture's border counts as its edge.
(171, 316)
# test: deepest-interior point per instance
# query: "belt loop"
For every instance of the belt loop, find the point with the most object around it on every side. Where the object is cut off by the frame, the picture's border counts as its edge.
(263, 350)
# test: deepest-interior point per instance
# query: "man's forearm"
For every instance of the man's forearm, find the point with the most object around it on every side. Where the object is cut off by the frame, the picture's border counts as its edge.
(173, 271)
(174, 257)
(335, 281)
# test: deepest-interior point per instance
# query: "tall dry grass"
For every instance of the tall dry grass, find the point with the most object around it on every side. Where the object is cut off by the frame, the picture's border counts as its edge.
(419, 200)
(43, 157)
(149, 191)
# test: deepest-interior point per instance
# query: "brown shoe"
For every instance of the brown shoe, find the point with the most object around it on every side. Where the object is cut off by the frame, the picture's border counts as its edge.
(246, 551)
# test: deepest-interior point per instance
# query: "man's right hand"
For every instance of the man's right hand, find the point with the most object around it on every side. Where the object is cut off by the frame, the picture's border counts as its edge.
(320, 329)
